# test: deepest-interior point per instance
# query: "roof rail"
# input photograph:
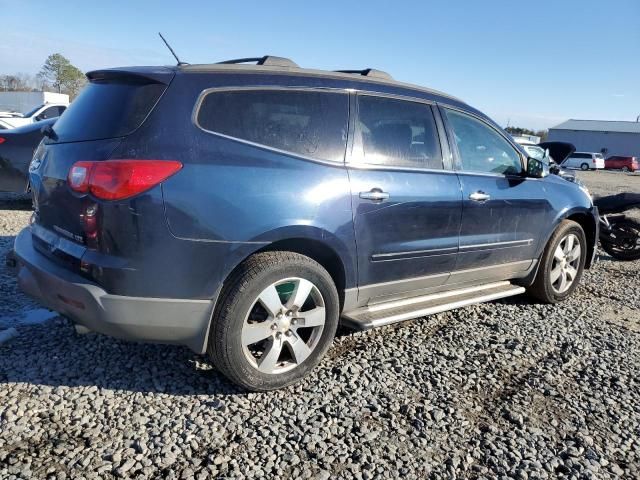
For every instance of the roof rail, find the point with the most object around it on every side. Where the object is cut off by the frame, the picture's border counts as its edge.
(369, 72)
(267, 61)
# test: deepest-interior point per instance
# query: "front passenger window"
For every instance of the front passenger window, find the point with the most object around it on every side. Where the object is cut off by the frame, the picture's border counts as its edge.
(481, 148)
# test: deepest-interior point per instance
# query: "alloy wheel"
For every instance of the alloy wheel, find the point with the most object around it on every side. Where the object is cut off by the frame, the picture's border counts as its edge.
(284, 325)
(566, 261)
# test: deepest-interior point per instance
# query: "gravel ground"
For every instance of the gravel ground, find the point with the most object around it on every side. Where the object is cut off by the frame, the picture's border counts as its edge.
(504, 389)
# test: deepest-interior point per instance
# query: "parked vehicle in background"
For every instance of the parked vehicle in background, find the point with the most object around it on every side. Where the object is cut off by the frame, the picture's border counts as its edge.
(584, 161)
(37, 114)
(626, 164)
(552, 154)
(17, 147)
(244, 210)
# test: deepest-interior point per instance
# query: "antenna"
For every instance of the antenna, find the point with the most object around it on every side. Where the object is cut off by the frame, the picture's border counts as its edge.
(171, 50)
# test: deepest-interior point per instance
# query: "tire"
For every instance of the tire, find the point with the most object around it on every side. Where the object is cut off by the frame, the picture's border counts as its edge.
(584, 167)
(624, 252)
(545, 288)
(254, 304)
(625, 169)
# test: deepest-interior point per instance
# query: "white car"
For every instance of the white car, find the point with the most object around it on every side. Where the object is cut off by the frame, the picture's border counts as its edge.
(41, 112)
(584, 161)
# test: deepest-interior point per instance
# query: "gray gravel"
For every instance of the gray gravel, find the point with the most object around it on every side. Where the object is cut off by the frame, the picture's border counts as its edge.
(505, 389)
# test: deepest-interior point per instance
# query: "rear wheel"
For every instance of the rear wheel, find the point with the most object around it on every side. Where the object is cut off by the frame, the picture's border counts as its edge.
(275, 320)
(625, 169)
(584, 166)
(561, 264)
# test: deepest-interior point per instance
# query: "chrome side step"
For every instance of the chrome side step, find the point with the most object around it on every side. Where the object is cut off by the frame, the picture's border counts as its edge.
(380, 314)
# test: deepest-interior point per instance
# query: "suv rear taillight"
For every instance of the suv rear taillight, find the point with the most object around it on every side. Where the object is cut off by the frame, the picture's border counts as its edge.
(119, 179)
(2, 140)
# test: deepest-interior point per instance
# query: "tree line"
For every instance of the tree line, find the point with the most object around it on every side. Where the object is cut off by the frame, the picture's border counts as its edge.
(525, 131)
(57, 74)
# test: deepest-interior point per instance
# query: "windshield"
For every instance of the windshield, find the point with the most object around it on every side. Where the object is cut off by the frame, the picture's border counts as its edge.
(31, 112)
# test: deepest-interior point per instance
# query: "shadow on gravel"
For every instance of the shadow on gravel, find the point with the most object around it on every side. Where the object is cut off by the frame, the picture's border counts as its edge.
(54, 355)
(15, 202)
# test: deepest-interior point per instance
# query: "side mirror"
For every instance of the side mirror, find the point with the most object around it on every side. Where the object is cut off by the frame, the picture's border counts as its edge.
(537, 168)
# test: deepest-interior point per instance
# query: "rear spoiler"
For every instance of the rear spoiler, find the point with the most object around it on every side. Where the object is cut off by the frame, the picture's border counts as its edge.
(162, 75)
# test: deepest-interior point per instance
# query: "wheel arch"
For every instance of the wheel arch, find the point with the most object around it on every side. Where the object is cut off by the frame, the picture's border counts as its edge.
(582, 217)
(336, 253)
(326, 253)
(590, 227)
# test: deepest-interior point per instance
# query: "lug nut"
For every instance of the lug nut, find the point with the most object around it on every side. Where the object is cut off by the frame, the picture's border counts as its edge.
(279, 315)
(294, 321)
(288, 333)
(274, 327)
(289, 313)
(279, 335)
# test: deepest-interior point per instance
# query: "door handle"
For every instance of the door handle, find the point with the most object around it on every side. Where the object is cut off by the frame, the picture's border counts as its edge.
(479, 196)
(374, 194)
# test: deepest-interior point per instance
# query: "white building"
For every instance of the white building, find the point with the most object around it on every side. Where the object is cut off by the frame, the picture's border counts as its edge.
(25, 101)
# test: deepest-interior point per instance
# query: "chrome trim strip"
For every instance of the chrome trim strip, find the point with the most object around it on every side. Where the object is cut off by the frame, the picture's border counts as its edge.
(385, 257)
(447, 306)
(489, 246)
(377, 307)
(371, 291)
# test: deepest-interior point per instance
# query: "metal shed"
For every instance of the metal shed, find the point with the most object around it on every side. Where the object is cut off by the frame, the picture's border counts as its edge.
(603, 136)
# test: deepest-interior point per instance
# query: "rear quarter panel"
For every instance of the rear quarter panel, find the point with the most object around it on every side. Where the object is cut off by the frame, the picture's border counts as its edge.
(231, 198)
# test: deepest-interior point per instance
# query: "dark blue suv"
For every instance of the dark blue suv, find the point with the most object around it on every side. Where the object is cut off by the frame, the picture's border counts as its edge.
(245, 209)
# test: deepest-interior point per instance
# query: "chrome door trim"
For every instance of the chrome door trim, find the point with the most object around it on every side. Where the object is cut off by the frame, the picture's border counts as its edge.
(496, 245)
(387, 257)
(411, 285)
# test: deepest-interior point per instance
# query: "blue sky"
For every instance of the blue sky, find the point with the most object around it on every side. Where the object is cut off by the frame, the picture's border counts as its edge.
(533, 64)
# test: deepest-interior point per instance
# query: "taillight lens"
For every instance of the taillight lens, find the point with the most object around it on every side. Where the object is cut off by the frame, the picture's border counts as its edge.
(2, 140)
(119, 179)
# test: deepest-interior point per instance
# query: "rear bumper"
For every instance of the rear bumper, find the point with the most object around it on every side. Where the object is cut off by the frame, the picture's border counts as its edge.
(164, 320)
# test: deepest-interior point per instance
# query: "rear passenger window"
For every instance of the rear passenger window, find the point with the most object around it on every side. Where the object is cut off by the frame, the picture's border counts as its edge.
(312, 124)
(397, 133)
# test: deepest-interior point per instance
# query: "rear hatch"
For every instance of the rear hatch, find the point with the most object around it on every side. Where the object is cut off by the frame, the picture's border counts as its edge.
(112, 106)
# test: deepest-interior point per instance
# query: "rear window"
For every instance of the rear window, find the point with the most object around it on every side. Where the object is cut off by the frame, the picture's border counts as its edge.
(307, 123)
(108, 109)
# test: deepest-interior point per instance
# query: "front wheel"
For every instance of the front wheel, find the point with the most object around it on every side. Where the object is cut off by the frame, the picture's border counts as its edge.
(584, 167)
(275, 320)
(561, 264)
(625, 169)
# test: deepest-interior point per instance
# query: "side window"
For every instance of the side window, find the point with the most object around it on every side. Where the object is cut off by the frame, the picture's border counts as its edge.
(50, 112)
(397, 133)
(313, 124)
(481, 148)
